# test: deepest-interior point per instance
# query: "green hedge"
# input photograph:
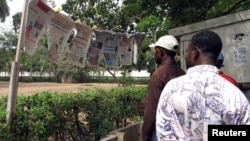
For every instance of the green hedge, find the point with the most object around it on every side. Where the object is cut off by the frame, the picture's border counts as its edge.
(87, 115)
(87, 79)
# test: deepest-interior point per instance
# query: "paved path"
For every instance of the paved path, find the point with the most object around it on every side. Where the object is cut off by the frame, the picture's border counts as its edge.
(32, 88)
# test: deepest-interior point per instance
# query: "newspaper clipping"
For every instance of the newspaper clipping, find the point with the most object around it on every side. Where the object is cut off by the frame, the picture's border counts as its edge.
(59, 30)
(110, 50)
(96, 48)
(138, 40)
(239, 51)
(125, 50)
(78, 48)
(38, 16)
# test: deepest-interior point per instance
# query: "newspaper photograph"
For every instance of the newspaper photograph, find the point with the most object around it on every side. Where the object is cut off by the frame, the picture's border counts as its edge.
(79, 46)
(38, 16)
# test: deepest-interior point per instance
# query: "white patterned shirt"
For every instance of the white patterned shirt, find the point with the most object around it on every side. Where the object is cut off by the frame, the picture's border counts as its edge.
(189, 103)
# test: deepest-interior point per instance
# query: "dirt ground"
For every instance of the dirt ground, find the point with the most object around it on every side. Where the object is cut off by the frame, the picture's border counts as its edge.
(32, 88)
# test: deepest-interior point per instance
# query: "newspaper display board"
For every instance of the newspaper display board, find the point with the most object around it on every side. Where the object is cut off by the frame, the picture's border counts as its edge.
(115, 49)
(36, 17)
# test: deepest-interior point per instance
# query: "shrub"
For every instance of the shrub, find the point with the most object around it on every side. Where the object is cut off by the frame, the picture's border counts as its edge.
(86, 115)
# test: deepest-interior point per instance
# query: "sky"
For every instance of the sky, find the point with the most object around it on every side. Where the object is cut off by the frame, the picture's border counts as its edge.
(17, 6)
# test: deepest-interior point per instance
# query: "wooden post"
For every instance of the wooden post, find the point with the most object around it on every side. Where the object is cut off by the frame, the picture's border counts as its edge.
(13, 85)
(155, 39)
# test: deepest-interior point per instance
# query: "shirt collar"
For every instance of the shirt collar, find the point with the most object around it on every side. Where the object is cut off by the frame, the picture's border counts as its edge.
(203, 68)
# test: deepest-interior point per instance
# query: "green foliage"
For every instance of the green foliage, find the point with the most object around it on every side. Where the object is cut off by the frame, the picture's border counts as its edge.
(151, 22)
(86, 115)
(8, 42)
(4, 10)
(104, 14)
(26, 79)
(16, 21)
(183, 12)
(152, 17)
(81, 78)
(4, 134)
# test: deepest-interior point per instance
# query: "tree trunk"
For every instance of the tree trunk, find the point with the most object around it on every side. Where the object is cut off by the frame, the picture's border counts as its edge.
(66, 78)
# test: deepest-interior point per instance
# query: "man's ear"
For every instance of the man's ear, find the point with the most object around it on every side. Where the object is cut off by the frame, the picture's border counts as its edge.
(161, 51)
(196, 52)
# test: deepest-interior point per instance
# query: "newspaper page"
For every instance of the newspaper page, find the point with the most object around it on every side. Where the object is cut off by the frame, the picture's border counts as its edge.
(125, 50)
(240, 51)
(96, 48)
(78, 48)
(110, 50)
(38, 16)
(59, 30)
(138, 40)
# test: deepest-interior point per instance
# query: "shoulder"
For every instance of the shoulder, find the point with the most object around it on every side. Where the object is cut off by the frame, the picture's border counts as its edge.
(176, 83)
(229, 78)
(229, 88)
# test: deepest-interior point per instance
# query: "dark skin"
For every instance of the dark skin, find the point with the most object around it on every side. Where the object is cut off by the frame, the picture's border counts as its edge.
(195, 56)
(245, 87)
(161, 56)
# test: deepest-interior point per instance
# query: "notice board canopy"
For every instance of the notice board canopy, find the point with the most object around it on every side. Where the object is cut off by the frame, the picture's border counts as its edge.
(234, 30)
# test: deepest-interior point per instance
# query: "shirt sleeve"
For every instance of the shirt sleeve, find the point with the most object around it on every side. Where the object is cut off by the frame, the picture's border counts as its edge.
(167, 124)
(153, 95)
(245, 113)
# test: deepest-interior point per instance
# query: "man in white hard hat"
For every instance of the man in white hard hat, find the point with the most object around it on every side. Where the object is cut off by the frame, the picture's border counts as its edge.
(165, 50)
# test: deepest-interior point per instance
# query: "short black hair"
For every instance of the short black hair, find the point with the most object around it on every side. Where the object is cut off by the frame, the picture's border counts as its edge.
(170, 53)
(208, 42)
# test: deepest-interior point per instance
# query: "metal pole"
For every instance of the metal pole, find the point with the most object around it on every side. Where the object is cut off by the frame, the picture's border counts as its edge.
(13, 85)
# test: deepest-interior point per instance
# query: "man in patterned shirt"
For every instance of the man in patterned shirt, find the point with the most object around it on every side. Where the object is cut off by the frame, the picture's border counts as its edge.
(189, 103)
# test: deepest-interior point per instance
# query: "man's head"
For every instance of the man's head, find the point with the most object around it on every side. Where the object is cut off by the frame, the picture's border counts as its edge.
(165, 45)
(204, 48)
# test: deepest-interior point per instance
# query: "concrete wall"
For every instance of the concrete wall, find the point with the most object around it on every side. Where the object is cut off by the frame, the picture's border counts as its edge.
(234, 31)
(128, 133)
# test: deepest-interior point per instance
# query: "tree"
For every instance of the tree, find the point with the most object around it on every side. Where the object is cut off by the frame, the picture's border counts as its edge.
(153, 17)
(16, 22)
(105, 14)
(8, 41)
(175, 13)
(182, 12)
(4, 10)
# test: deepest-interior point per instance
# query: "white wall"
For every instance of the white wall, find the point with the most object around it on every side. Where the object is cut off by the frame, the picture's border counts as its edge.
(134, 73)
